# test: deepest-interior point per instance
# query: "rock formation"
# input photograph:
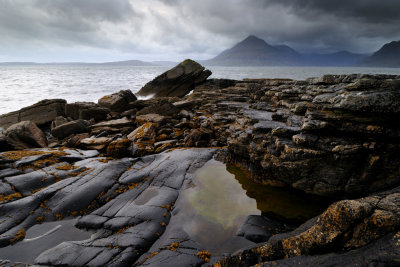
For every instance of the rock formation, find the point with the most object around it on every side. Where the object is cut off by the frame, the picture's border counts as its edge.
(178, 81)
(336, 136)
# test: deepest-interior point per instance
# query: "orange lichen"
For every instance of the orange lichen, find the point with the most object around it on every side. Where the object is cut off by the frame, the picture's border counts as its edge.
(10, 197)
(40, 219)
(123, 229)
(59, 217)
(73, 213)
(66, 167)
(163, 224)
(205, 255)
(123, 188)
(174, 246)
(168, 207)
(78, 172)
(17, 155)
(18, 237)
(151, 255)
(37, 190)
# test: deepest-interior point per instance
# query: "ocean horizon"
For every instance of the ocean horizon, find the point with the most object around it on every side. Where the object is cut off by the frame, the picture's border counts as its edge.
(24, 85)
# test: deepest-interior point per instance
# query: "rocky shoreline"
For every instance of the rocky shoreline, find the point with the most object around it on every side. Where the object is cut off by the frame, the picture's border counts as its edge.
(335, 137)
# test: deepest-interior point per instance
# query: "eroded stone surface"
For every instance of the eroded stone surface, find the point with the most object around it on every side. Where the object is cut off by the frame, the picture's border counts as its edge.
(366, 225)
(126, 202)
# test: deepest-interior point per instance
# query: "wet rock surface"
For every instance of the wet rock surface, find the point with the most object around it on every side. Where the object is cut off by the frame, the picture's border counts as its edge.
(337, 136)
(127, 203)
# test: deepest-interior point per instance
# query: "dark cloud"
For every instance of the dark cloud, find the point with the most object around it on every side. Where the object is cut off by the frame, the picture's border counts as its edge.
(175, 29)
(369, 11)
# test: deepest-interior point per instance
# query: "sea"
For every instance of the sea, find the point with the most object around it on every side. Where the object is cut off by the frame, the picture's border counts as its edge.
(22, 85)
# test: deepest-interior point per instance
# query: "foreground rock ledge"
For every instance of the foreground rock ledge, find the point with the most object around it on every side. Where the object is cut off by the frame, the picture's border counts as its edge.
(334, 136)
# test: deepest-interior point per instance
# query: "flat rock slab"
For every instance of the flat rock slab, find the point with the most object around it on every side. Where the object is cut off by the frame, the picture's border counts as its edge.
(126, 203)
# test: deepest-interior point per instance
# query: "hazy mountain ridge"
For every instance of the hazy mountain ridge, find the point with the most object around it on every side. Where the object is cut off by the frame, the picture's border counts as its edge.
(387, 56)
(254, 51)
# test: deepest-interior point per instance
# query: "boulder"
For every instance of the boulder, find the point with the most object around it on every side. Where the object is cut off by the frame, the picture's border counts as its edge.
(163, 107)
(40, 113)
(145, 132)
(86, 111)
(258, 228)
(118, 148)
(72, 127)
(4, 144)
(197, 138)
(351, 225)
(59, 121)
(118, 125)
(154, 118)
(74, 140)
(119, 101)
(25, 134)
(95, 143)
(178, 81)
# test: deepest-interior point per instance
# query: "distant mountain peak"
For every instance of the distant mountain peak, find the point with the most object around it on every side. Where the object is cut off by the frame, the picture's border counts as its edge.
(253, 40)
(387, 56)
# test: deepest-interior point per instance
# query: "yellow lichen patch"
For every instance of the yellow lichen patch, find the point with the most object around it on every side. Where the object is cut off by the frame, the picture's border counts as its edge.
(163, 224)
(123, 229)
(66, 167)
(123, 188)
(73, 213)
(100, 195)
(42, 205)
(162, 137)
(59, 217)
(168, 207)
(79, 172)
(174, 246)
(40, 219)
(178, 132)
(132, 185)
(151, 255)
(102, 160)
(19, 154)
(37, 190)
(10, 197)
(18, 237)
(205, 255)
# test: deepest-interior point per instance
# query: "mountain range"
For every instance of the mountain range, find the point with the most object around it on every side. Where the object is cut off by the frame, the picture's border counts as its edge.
(254, 51)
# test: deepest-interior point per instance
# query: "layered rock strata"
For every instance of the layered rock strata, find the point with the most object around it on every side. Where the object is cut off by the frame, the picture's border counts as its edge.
(336, 136)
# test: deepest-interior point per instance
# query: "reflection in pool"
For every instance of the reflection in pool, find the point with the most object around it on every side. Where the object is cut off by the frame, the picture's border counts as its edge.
(213, 209)
(283, 204)
(42, 237)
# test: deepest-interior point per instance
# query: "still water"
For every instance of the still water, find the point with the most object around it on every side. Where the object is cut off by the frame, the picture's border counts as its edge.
(212, 210)
(21, 86)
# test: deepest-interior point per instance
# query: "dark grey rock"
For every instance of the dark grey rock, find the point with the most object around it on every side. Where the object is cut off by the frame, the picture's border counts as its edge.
(259, 228)
(119, 101)
(73, 127)
(178, 81)
(25, 134)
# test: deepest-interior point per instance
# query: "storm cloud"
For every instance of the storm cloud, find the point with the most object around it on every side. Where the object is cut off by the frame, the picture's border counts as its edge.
(104, 30)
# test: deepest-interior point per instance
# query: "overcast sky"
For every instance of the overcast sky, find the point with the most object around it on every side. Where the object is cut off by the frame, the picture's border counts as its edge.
(109, 30)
